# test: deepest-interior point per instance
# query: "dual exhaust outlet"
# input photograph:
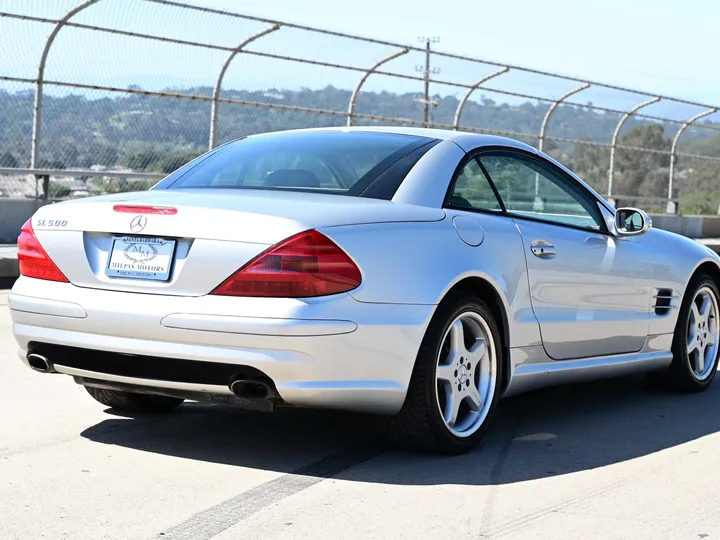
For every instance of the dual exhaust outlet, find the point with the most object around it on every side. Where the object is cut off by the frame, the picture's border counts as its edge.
(40, 364)
(253, 389)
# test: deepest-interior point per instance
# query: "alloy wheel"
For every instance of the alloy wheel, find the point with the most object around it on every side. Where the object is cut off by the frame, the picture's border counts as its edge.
(466, 374)
(702, 334)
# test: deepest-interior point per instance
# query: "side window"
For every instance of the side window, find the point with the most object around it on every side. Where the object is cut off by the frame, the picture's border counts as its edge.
(472, 190)
(527, 187)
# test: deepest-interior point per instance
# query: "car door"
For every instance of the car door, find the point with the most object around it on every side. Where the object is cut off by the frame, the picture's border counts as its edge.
(590, 291)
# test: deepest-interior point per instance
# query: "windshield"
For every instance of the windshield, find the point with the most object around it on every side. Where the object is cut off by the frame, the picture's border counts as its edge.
(342, 162)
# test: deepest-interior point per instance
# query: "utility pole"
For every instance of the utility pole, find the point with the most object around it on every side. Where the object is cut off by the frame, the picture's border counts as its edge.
(427, 71)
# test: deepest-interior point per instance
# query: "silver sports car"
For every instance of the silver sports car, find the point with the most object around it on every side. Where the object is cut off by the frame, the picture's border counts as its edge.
(418, 274)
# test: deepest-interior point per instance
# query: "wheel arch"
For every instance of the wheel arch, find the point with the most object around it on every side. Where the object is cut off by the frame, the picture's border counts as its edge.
(486, 291)
(679, 375)
(709, 267)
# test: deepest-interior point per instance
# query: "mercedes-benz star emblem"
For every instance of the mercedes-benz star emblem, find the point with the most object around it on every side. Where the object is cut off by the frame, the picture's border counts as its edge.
(463, 374)
(138, 224)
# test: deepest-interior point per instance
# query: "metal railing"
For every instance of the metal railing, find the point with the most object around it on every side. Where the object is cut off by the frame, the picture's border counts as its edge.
(385, 65)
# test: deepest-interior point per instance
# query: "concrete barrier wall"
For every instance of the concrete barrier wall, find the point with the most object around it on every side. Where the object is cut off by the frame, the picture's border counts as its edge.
(13, 213)
(711, 227)
(691, 226)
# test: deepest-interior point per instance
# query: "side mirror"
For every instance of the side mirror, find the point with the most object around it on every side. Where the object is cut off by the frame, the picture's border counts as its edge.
(632, 221)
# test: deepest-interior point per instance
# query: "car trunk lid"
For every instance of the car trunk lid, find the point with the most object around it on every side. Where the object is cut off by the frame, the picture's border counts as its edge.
(193, 238)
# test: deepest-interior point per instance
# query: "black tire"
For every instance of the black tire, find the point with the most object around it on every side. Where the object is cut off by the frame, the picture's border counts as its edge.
(680, 376)
(419, 425)
(132, 402)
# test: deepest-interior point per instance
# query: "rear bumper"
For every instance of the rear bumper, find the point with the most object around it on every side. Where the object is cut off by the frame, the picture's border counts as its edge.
(330, 352)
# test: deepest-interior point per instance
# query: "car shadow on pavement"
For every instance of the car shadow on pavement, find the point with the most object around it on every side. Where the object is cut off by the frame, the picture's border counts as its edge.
(541, 434)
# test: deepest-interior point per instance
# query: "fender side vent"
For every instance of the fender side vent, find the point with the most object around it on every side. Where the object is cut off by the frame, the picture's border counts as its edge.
(663, 301)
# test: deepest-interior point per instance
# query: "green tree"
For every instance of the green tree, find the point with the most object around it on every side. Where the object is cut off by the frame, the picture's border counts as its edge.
(591, 163)
(121, 185)
(704, 147)
(637, 173)
(102, 154)
(144, 160)
(642, 173)
(59, 191)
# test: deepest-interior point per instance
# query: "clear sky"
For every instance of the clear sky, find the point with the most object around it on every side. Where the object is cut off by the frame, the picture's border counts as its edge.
(665, 46)
(668, 46)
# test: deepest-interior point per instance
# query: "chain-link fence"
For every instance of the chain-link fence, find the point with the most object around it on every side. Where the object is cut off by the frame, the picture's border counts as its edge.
(110, 95)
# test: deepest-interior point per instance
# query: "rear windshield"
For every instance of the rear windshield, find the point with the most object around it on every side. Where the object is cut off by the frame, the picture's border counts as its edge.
(341, 162)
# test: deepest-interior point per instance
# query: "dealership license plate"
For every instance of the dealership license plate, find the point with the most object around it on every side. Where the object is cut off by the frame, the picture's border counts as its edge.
(141, 258)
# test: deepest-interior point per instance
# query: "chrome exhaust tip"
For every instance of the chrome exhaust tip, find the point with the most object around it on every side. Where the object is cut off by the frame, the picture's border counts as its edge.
(249, 389)
(39, 363)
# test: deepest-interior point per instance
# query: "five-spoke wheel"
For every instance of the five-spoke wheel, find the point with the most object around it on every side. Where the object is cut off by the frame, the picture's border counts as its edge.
(466, 374)
(455, 382)
(695, 343)
(702, 334)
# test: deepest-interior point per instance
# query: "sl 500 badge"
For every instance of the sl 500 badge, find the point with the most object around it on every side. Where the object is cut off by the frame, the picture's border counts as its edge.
(51, 223)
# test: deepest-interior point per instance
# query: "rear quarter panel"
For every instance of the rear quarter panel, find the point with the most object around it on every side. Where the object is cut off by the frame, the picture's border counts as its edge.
(418, 263)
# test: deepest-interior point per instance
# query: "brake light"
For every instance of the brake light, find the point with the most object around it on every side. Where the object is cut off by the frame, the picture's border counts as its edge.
(137, 209)
(33, 260)
(304, 265)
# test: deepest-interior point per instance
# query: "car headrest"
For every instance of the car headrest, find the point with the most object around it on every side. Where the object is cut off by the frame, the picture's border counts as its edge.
(456, 200)
(292, 178)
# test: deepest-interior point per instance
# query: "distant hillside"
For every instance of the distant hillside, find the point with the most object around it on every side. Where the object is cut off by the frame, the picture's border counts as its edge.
(158, 134)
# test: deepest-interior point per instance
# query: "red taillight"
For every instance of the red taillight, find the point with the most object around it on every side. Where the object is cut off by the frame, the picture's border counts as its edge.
(136, 209)
(307, 264)
(33, 260)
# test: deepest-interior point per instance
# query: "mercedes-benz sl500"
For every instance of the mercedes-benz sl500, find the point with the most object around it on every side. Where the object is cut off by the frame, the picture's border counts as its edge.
(418, 274)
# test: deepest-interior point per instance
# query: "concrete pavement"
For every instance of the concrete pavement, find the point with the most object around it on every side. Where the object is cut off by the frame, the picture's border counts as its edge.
(610, 460)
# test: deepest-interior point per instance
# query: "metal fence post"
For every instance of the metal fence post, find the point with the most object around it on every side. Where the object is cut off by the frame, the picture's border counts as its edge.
(616, 133)
(426, 85)
(221, 76)
(551, 109)
(671, 206)
(37, 108)
(356, 92)
(463, 101)
(45, 187)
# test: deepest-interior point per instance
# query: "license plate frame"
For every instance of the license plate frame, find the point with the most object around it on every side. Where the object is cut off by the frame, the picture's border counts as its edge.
(148, 258)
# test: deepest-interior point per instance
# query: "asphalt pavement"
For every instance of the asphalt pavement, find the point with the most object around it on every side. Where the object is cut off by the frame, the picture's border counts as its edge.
(608, 460)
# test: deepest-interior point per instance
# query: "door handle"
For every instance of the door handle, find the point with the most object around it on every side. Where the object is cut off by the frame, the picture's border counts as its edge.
(543, 249)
